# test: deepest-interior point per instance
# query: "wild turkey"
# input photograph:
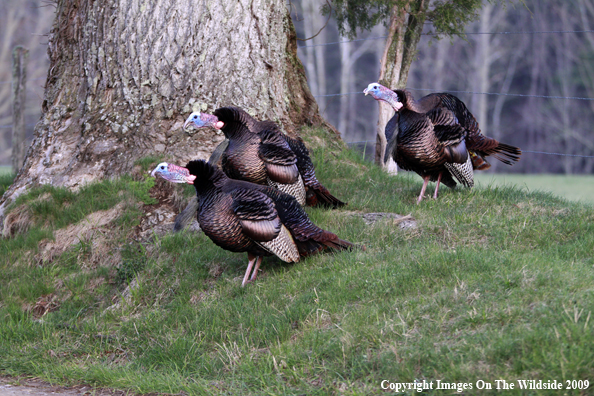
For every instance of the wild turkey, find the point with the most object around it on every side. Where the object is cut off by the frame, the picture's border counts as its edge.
(260, 153)
(438, 138)
(240, 216)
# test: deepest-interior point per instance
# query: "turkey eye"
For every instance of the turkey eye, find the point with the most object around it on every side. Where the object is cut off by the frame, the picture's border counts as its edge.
(375, 87)
(162, 167)
(195, 116)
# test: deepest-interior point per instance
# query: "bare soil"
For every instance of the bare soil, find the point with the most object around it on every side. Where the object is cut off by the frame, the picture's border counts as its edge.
(10, 386)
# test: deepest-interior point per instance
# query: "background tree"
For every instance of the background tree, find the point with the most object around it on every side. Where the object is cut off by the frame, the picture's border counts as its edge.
(531, 54)
(405, 20)
(22, 23)
(124, 74)
(517, 64)
(539, 81)
(335, 67)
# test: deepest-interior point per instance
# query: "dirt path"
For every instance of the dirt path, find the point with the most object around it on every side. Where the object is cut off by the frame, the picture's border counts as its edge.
(27, 387)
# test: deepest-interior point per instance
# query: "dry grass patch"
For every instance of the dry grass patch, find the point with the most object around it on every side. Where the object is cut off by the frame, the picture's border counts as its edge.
(18, 221)
(93, 231)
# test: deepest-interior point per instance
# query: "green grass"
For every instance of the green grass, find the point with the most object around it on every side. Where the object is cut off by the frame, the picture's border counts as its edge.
(495, 283)
(571, 187)
(6, 178)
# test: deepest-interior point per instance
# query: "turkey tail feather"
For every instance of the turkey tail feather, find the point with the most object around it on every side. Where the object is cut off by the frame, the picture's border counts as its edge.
(319, 195)
(186, 216)
(334, 242)
(478, 162)
(324, 241)
(316, 193)
(507, 154)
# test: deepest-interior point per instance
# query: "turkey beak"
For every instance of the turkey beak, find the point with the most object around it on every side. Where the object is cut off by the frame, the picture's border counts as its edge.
(186, 123)
(365, 91)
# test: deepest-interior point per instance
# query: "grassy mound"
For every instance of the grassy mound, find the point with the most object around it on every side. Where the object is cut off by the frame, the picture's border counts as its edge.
(492, 284)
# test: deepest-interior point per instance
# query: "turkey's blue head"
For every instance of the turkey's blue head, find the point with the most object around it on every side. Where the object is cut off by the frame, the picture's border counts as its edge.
(173, 173)
(379, 92)
(201, 120)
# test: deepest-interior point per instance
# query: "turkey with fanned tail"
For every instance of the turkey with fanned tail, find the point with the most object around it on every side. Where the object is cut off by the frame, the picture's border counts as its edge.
(438, 138)
(240, 216)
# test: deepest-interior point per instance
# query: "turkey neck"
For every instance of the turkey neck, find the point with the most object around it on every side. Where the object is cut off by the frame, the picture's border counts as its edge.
(392, 98)
(237, 123)
(422, 105)
(234, 130)
(209, 187)
(411, 124)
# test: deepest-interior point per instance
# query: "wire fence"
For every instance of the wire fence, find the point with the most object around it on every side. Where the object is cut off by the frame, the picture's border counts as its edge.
(10, 126)
(434, 90)
(33, 79)
(467, 34)
(468, 92)
(372, 142)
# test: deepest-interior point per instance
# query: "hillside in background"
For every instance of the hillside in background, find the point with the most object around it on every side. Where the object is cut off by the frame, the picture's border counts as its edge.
(573, 187)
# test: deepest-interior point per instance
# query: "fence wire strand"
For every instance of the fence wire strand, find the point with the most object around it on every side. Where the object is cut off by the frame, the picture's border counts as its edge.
(434, 90)
(467, 34)
(471, 92)
(523, 151)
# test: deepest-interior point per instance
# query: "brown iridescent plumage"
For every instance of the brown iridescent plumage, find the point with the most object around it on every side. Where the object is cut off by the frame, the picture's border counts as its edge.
(259, 152)
(438, 138)
(479, 145)
(240, 216)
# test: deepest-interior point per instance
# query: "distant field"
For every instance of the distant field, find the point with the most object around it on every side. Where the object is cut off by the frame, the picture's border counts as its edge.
(4, 169)
(574, 188)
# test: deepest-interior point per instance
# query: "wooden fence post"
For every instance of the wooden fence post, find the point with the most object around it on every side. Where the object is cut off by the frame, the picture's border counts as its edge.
(20, 57)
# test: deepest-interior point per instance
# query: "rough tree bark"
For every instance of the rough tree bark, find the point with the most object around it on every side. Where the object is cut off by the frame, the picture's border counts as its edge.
(124, 74)
(404, 33)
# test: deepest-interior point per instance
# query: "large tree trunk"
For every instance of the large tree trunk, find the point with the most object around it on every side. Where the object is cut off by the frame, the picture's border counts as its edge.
(124, 74)
(406, 26)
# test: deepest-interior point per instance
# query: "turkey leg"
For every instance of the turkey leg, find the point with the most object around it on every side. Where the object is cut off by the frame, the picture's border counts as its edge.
(251, 260)
(425, 182)
(255, 273)
(437, 186)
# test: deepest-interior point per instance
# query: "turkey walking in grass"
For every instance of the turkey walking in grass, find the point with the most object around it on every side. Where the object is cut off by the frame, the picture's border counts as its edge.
(240, 216)
(260, 153)
(438, 138)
